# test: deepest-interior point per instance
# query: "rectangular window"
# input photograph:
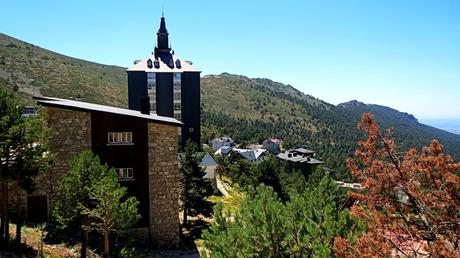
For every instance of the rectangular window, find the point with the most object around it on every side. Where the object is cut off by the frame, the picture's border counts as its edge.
(151, 77)
(177, 85)
(125, 174)
(151, 81)
(177, 106)
(120, 138)
(176, 95)
(177, 78)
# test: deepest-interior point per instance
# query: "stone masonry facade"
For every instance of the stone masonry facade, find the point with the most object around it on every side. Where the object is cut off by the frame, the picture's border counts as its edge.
(71, 134)
(163, 184)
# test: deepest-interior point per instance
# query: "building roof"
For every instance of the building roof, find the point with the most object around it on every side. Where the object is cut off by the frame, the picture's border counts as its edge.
(208, 160)
(222, 139)
(288, 156)
(250, 154)
(166, 65)
(224, 150)
(72, 104)
(356, 186)
(303, 150)
(162, 26)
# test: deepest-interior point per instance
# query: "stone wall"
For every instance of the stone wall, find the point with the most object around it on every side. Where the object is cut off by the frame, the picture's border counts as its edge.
(71, 134)
(163, 184)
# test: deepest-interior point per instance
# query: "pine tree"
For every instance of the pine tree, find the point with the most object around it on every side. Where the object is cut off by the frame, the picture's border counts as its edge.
(110, 213)
(257, 230)
(89, 196)
(411, 201)
(305, 226)
(194, 188)
(23, 154)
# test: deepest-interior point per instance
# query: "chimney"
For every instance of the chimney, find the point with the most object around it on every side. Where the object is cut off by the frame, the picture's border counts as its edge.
(145, 105)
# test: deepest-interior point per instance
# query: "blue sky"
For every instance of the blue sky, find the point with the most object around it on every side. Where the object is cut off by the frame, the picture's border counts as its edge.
(402, 54)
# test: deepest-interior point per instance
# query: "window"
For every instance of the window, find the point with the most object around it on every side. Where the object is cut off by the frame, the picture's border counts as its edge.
(177, 106)
(176, 95)
(120, 138)
(151, 82)
(178, 116)
(125, 174)
(177, 78)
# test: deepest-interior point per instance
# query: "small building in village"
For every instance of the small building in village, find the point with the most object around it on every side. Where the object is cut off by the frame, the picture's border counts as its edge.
(220, 142)
(142, 147)
(255, 156)
(272, 145)
(301, 159)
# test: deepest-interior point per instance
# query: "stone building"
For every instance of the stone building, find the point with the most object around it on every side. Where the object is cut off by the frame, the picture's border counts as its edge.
(142, 147)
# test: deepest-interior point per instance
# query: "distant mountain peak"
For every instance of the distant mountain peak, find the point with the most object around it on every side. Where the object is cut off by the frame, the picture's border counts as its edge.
(354, 103)
(358, 106)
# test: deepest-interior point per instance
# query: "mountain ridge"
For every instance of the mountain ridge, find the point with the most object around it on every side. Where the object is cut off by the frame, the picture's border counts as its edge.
(248, 109)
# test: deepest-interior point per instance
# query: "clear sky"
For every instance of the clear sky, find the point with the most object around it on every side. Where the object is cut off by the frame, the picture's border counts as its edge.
(402, 54)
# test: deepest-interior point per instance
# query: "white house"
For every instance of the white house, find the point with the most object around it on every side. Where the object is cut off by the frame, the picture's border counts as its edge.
(224, 150)
(254, 156)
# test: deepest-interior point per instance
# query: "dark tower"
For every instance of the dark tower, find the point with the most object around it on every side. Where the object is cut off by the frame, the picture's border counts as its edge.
(162, 37)
(172, 85)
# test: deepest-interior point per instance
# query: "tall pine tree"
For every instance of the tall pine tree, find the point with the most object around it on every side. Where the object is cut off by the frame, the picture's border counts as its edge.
(194, 188)
(23, 154)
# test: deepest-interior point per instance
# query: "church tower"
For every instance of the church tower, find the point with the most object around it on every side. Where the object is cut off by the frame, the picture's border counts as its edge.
(162, 37)
(168, 85)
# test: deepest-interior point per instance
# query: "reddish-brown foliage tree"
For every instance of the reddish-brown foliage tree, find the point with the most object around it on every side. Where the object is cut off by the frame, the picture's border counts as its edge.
(411, 202)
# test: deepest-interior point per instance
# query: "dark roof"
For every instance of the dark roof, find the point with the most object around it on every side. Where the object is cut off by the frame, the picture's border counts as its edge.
(303, 151)
(299, 158)
(162, 26)
(72, 104)
(167, 63)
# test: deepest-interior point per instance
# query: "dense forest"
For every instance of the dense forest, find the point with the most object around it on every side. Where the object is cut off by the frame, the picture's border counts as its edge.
(251, 110)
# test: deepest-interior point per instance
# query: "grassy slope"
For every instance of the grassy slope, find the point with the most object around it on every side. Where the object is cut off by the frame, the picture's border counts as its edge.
(27, 68)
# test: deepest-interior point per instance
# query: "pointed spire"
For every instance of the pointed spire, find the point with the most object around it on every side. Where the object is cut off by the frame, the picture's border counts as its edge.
(162, 37)
(162, 26)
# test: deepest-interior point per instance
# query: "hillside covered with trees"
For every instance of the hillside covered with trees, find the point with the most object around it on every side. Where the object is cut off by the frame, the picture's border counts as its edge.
(248, 110)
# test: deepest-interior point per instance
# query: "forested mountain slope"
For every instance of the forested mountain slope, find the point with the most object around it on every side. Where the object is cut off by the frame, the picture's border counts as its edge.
(251, 110)
(248, 110)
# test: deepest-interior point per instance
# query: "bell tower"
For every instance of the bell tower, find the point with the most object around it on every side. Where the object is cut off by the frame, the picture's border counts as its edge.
(162, 37)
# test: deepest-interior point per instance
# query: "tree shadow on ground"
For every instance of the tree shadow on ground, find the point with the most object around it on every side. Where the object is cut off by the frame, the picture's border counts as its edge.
(193, 231)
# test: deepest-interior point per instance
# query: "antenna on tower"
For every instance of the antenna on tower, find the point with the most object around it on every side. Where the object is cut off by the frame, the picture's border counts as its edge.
(162, 10)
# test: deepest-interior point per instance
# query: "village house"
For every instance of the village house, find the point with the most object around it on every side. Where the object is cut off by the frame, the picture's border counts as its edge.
(217, 143)
(301, 159)
(255, 156)
(272, 145)
(142, 147)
